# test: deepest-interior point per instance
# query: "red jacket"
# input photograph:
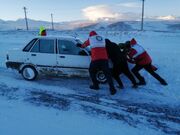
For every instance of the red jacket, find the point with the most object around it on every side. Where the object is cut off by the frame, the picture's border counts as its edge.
(138, 55)
(98, 49)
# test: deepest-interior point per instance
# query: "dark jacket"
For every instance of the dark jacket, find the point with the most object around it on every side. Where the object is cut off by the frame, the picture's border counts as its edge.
(114, 53)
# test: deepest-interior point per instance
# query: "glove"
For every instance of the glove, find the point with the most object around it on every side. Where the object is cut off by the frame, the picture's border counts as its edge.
(154, 68)
(78, 45)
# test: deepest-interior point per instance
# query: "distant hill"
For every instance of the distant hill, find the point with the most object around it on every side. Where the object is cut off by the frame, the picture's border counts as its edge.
(85, 25)
(20, 24)
(121, 26)
(117, 26)
(35, 24)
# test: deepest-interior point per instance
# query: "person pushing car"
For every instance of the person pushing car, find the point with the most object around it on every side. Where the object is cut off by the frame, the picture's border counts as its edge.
(139, 56)
(120, 65)
(99, 60)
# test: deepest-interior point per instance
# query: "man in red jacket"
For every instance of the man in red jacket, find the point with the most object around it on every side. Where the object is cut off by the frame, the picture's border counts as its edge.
(99, 60)
(139, 56)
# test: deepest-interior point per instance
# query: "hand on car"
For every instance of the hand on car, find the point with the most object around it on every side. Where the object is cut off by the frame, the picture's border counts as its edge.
(78, 45)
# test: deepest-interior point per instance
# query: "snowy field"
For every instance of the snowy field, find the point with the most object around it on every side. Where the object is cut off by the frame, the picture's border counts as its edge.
(67, 106)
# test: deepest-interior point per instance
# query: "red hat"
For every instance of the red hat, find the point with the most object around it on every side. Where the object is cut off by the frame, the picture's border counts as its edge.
(92, 33)
(133, 41)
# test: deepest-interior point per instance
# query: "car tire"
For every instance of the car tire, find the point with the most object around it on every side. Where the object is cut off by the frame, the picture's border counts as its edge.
(101, 77)
(29, 73)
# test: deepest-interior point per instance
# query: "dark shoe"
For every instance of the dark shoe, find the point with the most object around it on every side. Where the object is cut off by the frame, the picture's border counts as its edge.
(135, 86)
(120, 87)
(164, 83)
(113, 91)
(141, 83)
(94, 87)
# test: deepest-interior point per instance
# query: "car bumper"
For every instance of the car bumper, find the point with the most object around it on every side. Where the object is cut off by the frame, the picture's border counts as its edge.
(13, 65)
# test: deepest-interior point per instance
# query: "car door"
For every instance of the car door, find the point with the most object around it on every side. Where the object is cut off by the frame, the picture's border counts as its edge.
(72, 59)
(43, 54)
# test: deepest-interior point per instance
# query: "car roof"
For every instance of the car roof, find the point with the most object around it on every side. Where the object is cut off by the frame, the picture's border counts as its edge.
(57, 37)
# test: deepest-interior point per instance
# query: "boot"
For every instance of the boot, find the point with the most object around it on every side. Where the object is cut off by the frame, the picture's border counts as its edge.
(135, 86)
(164, 83)
(113, 91)
(120, 87)
(94, 87)
(142, 82)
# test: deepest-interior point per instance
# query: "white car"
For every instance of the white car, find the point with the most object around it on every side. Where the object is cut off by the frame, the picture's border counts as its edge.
(52, 55)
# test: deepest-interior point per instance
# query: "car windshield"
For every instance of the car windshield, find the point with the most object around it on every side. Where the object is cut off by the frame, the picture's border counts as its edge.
(29, 45)
(87, 49)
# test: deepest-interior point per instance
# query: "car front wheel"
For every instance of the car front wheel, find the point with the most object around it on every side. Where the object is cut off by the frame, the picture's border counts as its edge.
(29, 73)
(101, 77)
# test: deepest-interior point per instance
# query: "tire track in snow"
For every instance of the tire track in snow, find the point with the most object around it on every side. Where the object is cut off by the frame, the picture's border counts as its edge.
(165, 118)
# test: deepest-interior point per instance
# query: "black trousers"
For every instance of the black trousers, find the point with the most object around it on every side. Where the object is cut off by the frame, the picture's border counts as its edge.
(100, 65)
(149, 69)
(122, 68)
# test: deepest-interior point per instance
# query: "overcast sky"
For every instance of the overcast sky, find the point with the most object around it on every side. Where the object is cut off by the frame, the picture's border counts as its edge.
(68, 10)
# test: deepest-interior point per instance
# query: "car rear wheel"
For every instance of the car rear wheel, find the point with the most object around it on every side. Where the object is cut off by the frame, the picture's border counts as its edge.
(101, 77)
(29, 73)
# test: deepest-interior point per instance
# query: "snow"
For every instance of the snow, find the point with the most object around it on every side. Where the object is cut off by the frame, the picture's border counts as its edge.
(48, 121)
(52, 105)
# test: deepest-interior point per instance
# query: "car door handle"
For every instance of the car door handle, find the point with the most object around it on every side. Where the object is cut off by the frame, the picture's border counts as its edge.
(33, 54)
(62, 56)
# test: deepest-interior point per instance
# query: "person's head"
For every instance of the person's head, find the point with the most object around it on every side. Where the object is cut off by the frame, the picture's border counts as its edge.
(121, 45)
(127, 46)
(133, 41)
(92, 33)
(42, 31)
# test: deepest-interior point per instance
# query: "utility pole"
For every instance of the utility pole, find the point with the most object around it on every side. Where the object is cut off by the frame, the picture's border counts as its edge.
(25, 12)
(142, 20)
(52, 22)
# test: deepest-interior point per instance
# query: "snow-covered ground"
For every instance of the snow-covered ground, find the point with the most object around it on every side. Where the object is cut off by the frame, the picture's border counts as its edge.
(67, 106)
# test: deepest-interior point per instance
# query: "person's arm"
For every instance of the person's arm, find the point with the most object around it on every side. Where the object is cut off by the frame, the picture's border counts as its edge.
(154, 68)
(85, 44)
(130, 55)
(130, 60)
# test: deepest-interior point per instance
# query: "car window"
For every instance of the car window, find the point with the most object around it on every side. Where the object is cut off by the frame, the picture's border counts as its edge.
(44, 46)
(29, 45)
(68, 47)
(35, 47)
